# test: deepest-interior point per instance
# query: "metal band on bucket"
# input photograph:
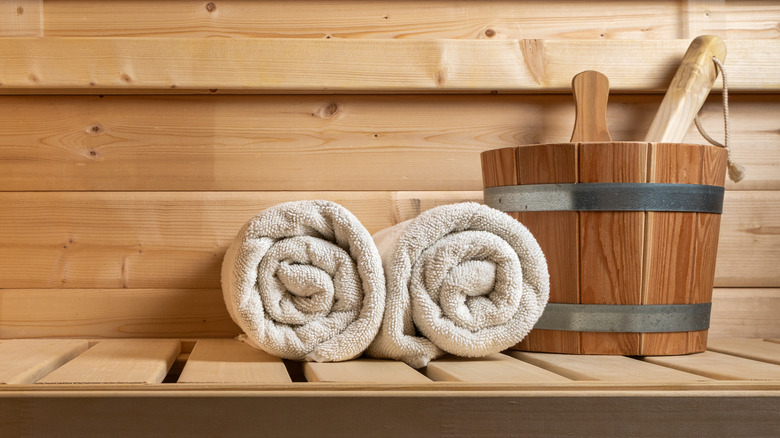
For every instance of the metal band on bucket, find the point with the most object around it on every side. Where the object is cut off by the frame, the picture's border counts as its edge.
(650, 318)
(697, 198)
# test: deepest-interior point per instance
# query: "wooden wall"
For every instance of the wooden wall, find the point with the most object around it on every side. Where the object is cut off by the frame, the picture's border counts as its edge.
(133, 150)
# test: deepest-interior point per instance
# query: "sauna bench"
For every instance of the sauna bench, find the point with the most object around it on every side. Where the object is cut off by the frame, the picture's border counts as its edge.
(159, 387)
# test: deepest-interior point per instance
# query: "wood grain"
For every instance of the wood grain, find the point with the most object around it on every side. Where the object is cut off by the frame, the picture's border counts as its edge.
(611, 243)
(591, 93)
(375, 19)
(177, 240)
(679, 253)
(754, 349)
(746, 313)
(186, 65)
(428, 19)
(688, 90)
(363, 371)
(27, 360)
(379, 413)
(119, 361)
(495, 368)
(114, 313)
(719, 366)
(156, 239)
(557, 234)
(321, 142)
(231, 361)
(187, 313)
(21, 18)
(604, 368)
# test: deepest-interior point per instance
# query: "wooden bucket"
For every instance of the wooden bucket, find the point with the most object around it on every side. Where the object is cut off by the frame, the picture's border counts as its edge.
(631, 265)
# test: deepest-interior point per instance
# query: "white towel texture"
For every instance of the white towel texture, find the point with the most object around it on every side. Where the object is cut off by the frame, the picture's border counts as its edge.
(304, 281)
(462, 278)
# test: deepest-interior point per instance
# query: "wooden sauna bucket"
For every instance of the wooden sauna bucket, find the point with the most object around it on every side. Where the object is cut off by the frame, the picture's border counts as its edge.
(631, 265)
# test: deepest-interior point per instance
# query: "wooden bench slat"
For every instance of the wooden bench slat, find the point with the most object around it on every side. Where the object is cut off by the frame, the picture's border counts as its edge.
(719, 366)
(495, 368)
(755, 349)
(232, 361)
(363, 371)
(604, 368)
(119, 361)
(27, 360)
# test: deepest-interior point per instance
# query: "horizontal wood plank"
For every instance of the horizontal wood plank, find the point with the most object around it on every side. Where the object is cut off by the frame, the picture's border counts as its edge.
(27, 360)
(177, 240)
(749, 248)
(719, 366)
(231, 361)
(495, 368)
(755, 349)
(604, 368)
(363, 371)
(156, 239)
(342, 142)
(140, 65)
(21, 18)
(369, 19)
(390, 414)
(188, 313)
(114, 313)
(119, 361)
(746, 313)
(422, 19)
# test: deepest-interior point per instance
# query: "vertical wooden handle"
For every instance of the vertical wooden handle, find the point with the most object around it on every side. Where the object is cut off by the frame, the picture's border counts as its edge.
(688, 90)
(591, 93)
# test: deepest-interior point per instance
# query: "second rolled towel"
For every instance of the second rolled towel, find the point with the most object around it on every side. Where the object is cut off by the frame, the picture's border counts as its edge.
(462, 278)
(304, 281)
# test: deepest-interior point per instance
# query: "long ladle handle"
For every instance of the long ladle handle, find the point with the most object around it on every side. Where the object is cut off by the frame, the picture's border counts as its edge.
(688, 90)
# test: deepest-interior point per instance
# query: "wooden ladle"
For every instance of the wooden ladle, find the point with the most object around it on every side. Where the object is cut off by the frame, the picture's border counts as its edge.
(591, 93)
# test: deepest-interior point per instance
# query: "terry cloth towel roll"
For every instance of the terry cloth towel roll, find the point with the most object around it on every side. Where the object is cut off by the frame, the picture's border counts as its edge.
(304, 281)
(462, 278)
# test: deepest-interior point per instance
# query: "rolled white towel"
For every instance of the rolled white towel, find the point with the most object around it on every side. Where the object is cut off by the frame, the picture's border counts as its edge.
(304, 281)
(462, 278)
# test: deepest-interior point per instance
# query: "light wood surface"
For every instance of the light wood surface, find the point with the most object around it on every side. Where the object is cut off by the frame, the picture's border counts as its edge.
(495, 368)
(134, 240)
(606, 368)
(371, 19)
(748, 313)
(119, 361)
(21, 18)
(362, 371)
(157, 239)
(114, 313)
(186, 313)
(231, 361)
(171, 65)
(591, 94)
(427, 19)
(281, 142)
(688, 90)
(755, 349)
(27, 360)
(719, 366)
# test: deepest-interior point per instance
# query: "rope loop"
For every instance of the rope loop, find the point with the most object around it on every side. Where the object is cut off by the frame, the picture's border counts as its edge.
(736, 171)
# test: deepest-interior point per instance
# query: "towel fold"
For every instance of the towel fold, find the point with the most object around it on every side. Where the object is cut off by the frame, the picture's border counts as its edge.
(304, 281)
(462, 278)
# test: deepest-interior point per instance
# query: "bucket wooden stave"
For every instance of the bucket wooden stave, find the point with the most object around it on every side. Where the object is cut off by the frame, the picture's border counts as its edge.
(618, 257)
